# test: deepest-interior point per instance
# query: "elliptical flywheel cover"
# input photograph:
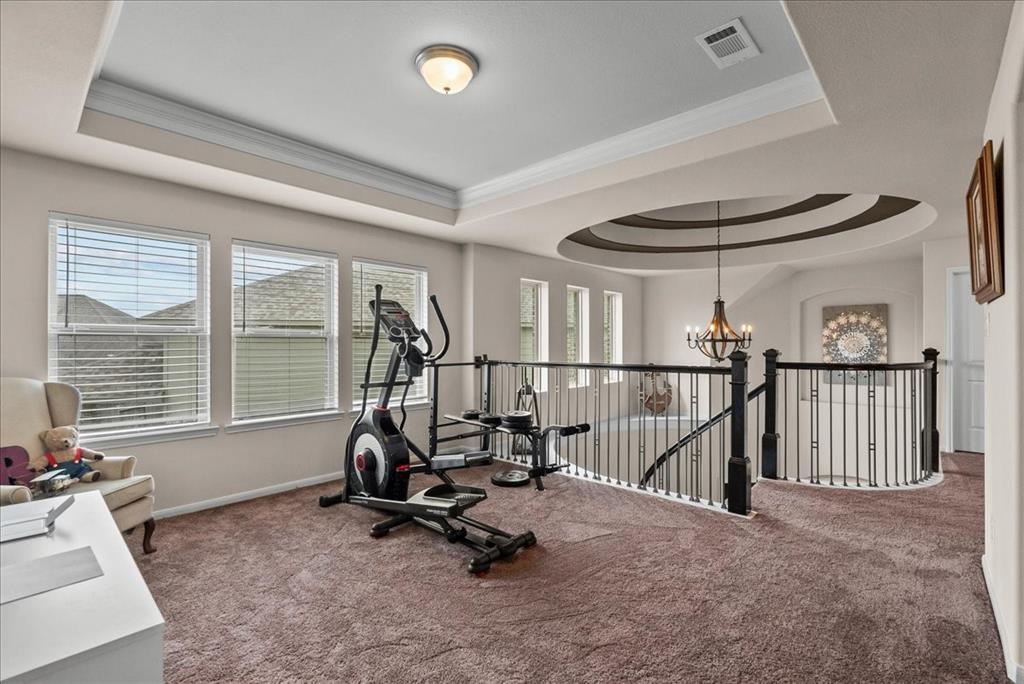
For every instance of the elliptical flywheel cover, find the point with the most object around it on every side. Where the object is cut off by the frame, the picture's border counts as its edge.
(510, 478)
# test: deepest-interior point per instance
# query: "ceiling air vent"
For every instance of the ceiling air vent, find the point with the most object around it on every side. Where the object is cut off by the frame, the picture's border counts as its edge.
(728, 44)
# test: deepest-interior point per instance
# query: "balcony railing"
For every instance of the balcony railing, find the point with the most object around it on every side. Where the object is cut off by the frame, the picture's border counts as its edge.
(699, 434)
(663, 429)
(851, 425)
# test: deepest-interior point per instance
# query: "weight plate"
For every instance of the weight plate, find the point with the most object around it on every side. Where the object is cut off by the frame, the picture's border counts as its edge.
(510, 478)
(471, 414)
(488, 419)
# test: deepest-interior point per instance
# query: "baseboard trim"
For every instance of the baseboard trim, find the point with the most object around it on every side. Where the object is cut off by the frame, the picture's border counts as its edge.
(246, 495)
(1014, 671)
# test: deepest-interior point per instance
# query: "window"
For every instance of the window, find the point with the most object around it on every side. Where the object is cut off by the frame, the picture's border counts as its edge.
(284, 331)
(404, 284)
(577, 338)
(533, 320)
(612, 333)
(129, 323)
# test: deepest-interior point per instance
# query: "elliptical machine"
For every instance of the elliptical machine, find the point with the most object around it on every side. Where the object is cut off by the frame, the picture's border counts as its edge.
(377, 466)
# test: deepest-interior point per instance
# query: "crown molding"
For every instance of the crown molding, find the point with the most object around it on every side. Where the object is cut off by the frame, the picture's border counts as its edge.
(121, 101)
(785, 93)
(114, 99)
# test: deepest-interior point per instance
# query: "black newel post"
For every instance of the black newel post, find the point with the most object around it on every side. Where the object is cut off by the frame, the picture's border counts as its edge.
(739, 463)
(770, 438)
(930, 429)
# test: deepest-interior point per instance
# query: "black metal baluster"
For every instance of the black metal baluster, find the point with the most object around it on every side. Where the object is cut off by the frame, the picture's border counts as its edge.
(757, 438)
(692, 448)
(913, 426)
(885, 452)
(667, 484)
(799, 391)
(785, 423)
(816, 427)
(721, 457)
(872, 433)
(679, 425)
(845, 374)
(856, 425)
(885, 428)
(618, 433)
(658, 472)
(641, 433)
(831, 431)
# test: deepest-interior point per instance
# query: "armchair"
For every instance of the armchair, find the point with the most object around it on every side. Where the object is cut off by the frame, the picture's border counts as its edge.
(27, 408)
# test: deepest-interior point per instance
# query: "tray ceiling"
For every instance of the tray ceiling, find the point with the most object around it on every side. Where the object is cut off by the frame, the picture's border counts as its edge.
(332, 87)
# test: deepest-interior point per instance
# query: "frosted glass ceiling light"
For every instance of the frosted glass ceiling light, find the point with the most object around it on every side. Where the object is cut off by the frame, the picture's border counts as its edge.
(446, 68)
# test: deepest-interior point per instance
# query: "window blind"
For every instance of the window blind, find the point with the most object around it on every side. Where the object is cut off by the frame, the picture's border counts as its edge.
(129, 322)
(576, 347)
(404, 284)
(284, 331)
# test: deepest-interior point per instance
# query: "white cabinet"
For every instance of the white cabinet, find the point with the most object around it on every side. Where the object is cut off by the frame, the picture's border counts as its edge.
(106, 629)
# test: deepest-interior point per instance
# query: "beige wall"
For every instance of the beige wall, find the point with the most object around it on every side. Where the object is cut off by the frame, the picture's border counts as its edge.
(474, 283)
(196, 470)
(492, 283)
(784, 306)
(1004, 369)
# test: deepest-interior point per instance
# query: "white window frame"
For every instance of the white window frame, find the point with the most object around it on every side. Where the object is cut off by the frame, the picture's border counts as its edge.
(540, 327)
(331, 313)
(616, 333)
(582, 331)
(420, 398)
(200, 330)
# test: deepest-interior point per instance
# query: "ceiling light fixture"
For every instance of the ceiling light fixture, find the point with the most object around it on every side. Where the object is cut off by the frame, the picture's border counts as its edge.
(446, 68)
(719, 340)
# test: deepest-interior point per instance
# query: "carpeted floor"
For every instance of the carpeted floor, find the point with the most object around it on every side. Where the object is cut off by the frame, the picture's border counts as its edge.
(823, 585)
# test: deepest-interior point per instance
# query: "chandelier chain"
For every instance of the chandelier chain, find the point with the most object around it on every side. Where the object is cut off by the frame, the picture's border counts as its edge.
(718, 242)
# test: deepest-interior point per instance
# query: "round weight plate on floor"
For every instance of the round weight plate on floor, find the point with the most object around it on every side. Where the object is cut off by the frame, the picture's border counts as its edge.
(510, 478)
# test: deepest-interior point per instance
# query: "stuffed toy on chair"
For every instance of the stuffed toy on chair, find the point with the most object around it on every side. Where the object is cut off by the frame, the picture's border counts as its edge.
(63, 451)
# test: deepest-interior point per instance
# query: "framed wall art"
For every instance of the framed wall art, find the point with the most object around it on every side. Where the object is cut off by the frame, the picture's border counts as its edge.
(983, 231)
(855, 333)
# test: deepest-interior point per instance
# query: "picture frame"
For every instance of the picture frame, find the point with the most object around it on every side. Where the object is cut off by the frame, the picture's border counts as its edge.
(983, 231)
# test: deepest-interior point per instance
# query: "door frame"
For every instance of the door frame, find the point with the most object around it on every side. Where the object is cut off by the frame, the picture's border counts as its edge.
(949, 439)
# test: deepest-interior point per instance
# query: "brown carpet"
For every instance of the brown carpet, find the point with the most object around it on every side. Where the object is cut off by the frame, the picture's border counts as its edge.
(823, 585)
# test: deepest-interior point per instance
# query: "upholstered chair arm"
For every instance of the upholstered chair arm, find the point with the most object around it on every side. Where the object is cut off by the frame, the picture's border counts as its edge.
(115, 467)
(14, 494)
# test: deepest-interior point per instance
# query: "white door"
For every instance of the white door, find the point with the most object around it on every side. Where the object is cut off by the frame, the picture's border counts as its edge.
(967, 365)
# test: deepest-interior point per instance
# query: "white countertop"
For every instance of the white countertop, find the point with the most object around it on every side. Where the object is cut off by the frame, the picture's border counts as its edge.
(44, 630)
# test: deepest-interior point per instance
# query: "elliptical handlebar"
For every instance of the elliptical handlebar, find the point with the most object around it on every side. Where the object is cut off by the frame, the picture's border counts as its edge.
(444, 329)
(427, 341)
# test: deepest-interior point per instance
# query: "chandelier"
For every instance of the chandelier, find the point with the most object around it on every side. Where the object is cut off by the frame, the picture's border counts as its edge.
(718, 339)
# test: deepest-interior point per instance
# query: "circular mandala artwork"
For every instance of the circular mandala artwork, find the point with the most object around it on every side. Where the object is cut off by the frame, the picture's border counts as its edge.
(854, 336)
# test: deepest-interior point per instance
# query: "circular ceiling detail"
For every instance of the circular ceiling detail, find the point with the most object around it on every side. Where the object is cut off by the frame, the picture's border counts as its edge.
(755, 230)
(646, 221)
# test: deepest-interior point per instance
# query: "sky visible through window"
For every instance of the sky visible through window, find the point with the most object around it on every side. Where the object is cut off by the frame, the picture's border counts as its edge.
(138, 275)
(134, 274)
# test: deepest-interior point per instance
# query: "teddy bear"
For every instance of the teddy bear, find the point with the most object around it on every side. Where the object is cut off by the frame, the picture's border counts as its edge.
(64, 452)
